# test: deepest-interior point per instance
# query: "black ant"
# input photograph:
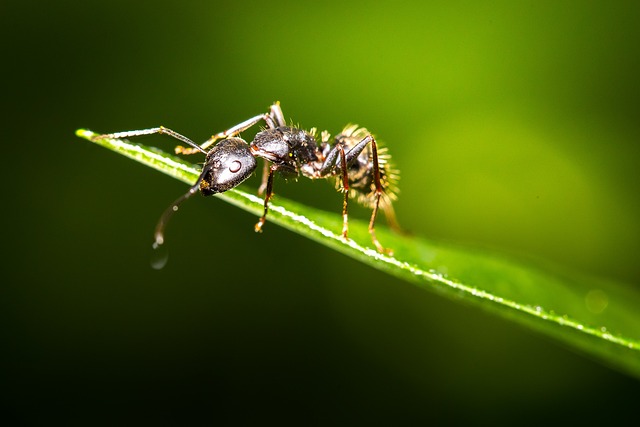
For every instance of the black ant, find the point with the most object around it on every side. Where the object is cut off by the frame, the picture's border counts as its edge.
(360, 169)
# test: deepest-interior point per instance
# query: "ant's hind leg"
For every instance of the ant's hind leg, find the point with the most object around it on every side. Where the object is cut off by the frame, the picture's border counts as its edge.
(348, 159)
(151, 131)
(390, 215)
(372, 230)
(378, 195)
(345, 189)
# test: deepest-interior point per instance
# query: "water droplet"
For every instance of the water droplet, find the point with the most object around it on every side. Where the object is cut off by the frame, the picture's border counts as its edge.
(538, 308)
(159, 256)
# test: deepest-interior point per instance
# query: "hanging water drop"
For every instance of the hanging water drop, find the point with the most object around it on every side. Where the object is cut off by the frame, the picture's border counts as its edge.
(159, 256)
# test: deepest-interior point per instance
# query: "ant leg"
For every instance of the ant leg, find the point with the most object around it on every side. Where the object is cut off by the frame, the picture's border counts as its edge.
(267, 197)
(390, 215)
(345, 188)
(337, 158)
(265, 177)
(333, 159)
(159, 130)
(348, 160)
(276, 112)
(240, 127)
(353, 154)
(273, 119)
(378, 194)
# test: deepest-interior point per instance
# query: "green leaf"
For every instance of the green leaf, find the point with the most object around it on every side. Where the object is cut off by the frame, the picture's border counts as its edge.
(600, 318)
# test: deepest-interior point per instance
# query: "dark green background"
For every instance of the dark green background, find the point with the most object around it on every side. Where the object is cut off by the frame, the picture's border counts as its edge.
(515, 125)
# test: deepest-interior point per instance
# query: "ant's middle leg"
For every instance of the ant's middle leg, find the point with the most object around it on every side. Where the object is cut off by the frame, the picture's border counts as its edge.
(265, 178)
(151, 131)
(267, 197)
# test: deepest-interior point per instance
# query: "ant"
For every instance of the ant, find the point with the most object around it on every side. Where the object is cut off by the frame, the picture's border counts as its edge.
(361, 170)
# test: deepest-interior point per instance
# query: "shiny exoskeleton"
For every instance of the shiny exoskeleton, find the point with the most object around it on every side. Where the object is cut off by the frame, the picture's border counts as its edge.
(360, 167)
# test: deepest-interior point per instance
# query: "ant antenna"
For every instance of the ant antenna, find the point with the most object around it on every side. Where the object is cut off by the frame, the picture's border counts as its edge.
(173, 207)
(179, 137)
(194, 145)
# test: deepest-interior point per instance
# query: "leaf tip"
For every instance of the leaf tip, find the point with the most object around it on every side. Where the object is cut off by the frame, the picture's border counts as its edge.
(84, 133)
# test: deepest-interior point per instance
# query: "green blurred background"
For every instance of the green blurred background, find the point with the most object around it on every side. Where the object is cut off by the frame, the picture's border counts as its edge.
(515, 125)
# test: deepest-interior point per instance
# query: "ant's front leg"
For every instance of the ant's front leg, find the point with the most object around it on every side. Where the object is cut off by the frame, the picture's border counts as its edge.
(151, 131)
(273, 119)
(276, 114)
(240, 127)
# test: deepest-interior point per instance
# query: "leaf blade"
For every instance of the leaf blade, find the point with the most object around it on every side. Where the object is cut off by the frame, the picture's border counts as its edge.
(597, 317)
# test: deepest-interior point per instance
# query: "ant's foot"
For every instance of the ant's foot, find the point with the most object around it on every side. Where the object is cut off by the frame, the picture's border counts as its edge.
(185, 150)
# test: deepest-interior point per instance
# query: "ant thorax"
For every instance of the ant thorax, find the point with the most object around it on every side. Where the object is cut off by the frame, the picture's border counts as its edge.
(290, 149)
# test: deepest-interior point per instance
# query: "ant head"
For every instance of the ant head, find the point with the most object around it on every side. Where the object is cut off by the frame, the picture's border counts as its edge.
(227, 164)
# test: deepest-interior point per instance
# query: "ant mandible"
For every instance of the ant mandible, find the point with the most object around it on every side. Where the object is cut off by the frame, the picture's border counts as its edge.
(361, 169)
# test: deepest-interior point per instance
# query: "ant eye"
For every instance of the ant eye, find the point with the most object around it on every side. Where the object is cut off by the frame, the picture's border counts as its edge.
(235, 166)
